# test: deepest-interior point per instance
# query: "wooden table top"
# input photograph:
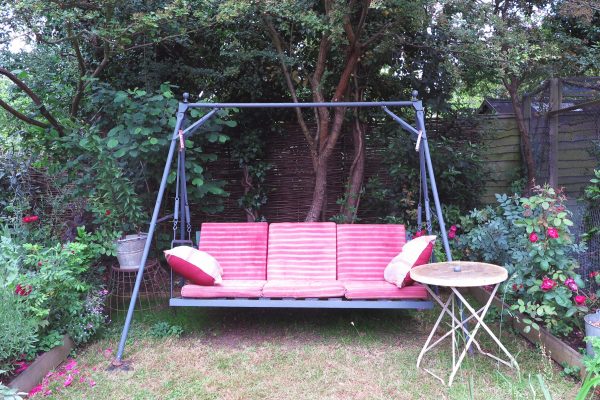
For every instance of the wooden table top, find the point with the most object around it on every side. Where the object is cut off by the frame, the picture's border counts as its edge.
(471, 274)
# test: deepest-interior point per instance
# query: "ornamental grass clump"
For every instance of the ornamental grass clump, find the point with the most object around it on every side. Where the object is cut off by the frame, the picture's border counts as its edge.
(530, 236)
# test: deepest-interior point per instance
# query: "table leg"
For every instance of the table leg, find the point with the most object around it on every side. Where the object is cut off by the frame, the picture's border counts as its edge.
(435, 326)
(449, 309)
(480, 318)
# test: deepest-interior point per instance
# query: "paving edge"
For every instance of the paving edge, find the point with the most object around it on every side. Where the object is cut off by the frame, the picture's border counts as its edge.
(43, 364)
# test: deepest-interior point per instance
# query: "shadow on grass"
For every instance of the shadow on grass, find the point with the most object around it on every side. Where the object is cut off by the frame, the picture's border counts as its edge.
(236, 326)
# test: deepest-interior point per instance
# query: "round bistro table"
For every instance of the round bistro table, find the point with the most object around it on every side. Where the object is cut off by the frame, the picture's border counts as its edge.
(454, 275)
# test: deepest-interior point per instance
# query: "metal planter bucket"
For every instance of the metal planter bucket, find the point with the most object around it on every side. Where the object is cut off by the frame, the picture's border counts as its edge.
(130, 250)
(592, 328)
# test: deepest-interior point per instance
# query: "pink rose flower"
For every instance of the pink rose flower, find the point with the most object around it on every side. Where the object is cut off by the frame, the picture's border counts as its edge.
(580, 300)
(533, 237)
(22, 290)
(451, 234)
(553, 233)
(570, 283)
(453, 228)
(547, 284)
(30, 218)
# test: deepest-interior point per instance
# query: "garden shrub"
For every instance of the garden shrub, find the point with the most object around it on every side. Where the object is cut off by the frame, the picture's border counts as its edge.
(49, 290)
(18, 331)
(61, 293)
(394, 195)
(530, 236)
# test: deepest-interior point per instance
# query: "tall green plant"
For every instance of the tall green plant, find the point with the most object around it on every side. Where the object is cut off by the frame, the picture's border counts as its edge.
(18, 330)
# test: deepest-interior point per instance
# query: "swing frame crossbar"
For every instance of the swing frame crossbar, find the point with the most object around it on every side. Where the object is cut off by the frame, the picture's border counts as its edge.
(417, 133)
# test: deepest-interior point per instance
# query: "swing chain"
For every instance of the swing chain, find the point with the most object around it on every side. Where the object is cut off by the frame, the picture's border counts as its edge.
(176, 217)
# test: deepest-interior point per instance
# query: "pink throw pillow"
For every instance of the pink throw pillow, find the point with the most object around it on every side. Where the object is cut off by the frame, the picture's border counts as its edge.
(415, 252)
(198, 266)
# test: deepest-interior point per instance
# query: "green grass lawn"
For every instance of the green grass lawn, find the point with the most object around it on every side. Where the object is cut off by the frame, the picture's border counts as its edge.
(302, 354)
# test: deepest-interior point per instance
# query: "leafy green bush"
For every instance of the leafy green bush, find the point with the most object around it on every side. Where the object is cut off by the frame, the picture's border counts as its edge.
(47, 291)
(456, 161)
(164, 329)
(530, 236)
(61, 296)
(18, 331)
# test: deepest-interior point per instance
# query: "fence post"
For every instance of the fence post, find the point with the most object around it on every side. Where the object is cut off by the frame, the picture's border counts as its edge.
(555, 104)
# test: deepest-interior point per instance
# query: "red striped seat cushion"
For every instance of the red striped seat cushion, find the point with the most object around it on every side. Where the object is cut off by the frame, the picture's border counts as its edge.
(382, 290)
(303, 288)
(240, 248)
(363, 250)
(302, 251)
(229, 288)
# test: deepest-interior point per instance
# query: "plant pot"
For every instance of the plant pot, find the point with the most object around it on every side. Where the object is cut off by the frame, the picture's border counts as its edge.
(592, 328)
(130, 250)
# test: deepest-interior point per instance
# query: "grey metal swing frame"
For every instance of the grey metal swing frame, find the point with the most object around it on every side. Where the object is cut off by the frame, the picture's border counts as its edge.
(418, 133)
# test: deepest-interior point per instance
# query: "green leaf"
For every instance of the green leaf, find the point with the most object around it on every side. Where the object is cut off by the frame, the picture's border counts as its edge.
(121, 152)
(545, 205)
(112, 143)
(557, 221)
(231, 124)
(153, 140)
(197, 182)
(527, 329)
(120, 97)
(567, 222)
(216, 190)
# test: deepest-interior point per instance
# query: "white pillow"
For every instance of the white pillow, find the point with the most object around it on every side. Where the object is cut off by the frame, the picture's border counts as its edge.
(415, 252)
(198, 266)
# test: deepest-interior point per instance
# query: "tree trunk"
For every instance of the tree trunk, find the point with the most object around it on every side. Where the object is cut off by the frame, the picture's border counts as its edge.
(355, 175)
(251, 214)
(318, 201)
(527, 150)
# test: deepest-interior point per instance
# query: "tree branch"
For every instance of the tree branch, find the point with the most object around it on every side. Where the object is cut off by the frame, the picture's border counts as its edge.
(36, 100)
(315, 83)
(82, 71)
(22, 116)
(276, 39)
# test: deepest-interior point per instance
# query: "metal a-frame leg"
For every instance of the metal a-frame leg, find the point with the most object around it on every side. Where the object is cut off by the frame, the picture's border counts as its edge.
(118, 361)
(183, 107)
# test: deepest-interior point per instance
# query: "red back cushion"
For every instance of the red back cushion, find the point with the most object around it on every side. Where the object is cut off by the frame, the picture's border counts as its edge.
(198, 266)
(302, 250)
(414, 253)
(240, 248)
(363, 250)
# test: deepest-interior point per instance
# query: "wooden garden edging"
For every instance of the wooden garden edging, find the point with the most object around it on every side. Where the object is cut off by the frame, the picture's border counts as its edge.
(46, 362)
(554, 347)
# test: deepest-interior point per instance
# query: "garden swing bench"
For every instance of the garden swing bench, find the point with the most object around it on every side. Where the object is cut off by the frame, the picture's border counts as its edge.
(341, 247)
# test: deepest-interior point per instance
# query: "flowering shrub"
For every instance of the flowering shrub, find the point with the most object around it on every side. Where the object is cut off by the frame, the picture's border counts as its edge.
(46, 291)
(530, 236)
(56, 291)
